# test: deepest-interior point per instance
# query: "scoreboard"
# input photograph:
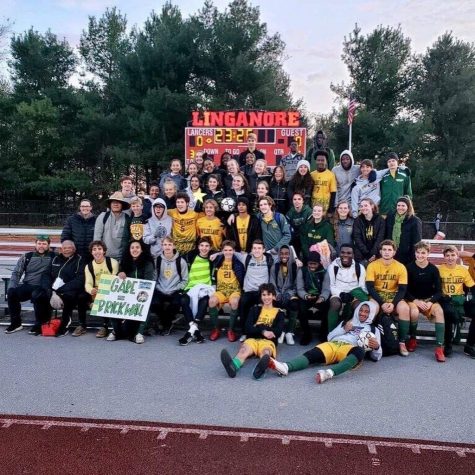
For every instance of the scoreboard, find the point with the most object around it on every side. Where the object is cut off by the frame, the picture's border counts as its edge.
(211, 134)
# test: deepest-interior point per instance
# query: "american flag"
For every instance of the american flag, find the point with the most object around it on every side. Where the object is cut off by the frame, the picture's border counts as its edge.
(351, 110)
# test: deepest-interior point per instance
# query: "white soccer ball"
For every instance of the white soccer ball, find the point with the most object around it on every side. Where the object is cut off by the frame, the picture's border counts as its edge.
(363, 340)
(228, 205)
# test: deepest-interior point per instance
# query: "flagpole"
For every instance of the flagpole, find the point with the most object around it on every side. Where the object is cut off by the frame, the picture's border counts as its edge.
(349, 137)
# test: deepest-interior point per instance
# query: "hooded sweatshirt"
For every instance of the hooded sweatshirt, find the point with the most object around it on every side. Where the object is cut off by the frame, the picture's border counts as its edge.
(365, 189)
(156, 229)
(168, 279)
(284, 277)
(344, 178)
(351, 337)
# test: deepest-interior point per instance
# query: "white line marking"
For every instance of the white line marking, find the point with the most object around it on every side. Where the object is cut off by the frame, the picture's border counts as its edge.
(285, 440)
(244, 436)
(416, 450)
(372, 448)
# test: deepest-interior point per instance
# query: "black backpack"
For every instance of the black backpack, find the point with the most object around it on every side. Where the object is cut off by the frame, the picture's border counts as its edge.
(388, 330)
(357, 269)
(91, 269)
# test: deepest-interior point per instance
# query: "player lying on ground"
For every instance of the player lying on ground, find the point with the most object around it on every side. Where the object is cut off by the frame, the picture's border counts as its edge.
(264, 326)
(345, 348)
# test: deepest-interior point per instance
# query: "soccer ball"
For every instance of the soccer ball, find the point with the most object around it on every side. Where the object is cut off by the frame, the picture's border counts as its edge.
(363, 340)
(228, 205)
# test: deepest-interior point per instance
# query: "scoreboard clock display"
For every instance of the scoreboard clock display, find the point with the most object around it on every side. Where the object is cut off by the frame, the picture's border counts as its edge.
(213, 135)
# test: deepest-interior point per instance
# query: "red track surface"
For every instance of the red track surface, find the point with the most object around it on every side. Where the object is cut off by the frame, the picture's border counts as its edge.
(42, 445)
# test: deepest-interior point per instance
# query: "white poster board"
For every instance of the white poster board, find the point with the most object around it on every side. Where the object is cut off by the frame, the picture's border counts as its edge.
(127, 299)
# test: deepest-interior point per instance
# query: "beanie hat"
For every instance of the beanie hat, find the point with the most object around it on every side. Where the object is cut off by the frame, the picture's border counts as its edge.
(243, 199)
(314, 257)
(303, 162)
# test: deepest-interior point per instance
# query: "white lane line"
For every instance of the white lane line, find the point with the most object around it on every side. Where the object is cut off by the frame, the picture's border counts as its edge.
(244, 436)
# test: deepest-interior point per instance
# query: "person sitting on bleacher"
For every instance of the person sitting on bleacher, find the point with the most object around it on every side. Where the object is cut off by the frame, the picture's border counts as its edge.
(65, 278)
(30, 266)
(423, 295)
(454, 278)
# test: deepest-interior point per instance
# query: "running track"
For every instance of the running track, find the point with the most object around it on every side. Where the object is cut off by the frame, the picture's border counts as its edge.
(44, 445)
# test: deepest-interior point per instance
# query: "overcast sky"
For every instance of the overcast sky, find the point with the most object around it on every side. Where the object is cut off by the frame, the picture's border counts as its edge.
(313, 30)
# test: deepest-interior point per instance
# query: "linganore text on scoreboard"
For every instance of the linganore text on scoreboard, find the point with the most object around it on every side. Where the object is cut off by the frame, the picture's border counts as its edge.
(216, 132)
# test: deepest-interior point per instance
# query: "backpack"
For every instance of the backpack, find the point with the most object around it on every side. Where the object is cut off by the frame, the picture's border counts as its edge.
(389, 338)
(91, 269)
(357, 269)
(177, 263)
(269, 261)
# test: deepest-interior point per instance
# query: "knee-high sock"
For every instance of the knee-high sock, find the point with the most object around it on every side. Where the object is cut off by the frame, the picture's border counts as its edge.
(233, 314)
(439, 333)
(332, 319)
(214, 315)
(403, 330)
(301, 362)
(345, 365)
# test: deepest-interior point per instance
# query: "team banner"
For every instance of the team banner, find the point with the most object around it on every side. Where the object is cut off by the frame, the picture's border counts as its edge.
(127, 299)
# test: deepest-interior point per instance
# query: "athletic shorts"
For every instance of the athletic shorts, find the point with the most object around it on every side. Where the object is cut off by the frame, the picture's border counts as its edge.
(259, 345)
(335, 351)
(222, 298)
(429, 314)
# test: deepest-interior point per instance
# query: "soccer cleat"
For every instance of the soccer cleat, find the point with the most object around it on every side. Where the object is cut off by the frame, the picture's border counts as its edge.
(111, 337)
(228, 363)
(243, 338)
(323, 375)
(439, 354)
(402, 349)
(35, 330)
(198, 337)
(185, 339)
(139, 339)
(232, 337)
(289, 339)
(13, 328)
(411, 345)
(280, 340)
(261, 366)
(79, 331)
(102, 332)
(281, 368)
(215, 334)
(469, 351)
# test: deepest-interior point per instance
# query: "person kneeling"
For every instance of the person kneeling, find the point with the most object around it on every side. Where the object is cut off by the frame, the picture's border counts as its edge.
(264, 325)
(341, 350)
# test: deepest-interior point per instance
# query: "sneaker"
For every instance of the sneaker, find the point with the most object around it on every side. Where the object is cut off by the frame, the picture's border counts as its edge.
(79, 331)
(305, 339)
(102, 332)
(187, 338)
(280, 340)
(111, 337)
(198, 337)
(232, 337)
(281, 368)
(469, 351)
(35, 330)
(323, 375)
(411, 345)
(289, 339)
(243, 338)
(139, 339)
(402, 349)
(448, 350)
(215, 334)
(439, 354)
(261, 366)
(62, 332)
(14, 327)
(228, 363)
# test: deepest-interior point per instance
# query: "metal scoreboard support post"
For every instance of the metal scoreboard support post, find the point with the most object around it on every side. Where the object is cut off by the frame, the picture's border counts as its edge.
(219, 132)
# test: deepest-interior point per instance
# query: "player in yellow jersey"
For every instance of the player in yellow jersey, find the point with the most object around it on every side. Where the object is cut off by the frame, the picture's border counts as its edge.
(264, 325)
(386, 281)
(184, 224)
(324, 184)
(228, 275)
(454, 278)
(210, 225)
